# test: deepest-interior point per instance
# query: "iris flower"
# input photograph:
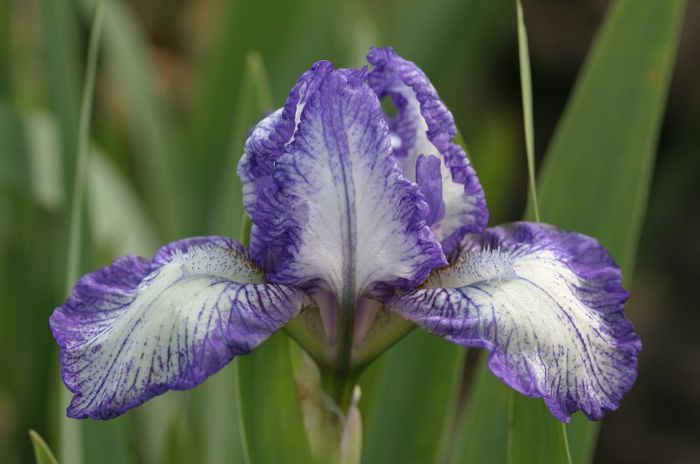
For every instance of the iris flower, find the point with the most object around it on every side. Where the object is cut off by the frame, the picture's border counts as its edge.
(364, 225)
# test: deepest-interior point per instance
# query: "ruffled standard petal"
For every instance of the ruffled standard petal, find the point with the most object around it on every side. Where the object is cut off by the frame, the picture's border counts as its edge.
(336, 213)
(424, 126)
(273, 133)
(138, 328)
(548, 305)
(428, 179)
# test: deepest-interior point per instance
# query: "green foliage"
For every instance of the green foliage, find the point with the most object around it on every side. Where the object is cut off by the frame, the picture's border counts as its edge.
(172, 175)
(597, 171)
(534, 435)
(595, 180)
(42, 452)
(528, 119)
(126, 55)
(70, 431)
(483, 432)
(273, 426)
(410, 395)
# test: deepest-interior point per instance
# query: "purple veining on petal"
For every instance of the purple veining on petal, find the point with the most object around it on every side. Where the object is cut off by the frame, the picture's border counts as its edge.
(137, 328)
(429, 180)
(422, 114)
(336, 213)
(548, 304)
(268, 140)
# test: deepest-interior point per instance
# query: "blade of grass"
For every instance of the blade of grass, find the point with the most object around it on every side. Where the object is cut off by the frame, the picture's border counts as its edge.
(595, 177)
(526, 93)
(597, 172)
(42, 452)
(616, 109)
(534, 435)
(70, 434)
(44, 159)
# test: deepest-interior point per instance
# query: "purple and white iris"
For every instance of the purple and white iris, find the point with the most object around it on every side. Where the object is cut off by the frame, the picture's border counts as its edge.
(364, 225)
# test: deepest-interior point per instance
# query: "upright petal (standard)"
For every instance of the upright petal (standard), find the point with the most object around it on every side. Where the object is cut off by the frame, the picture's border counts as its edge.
(336, 212)
(424, 126)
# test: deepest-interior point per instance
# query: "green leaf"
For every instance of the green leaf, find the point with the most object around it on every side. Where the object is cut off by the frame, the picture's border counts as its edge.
(526, 93)
(597, 172)
(610, 128)
(70, 430)
(42, 452)
(409, 403)
(534, 435)
(289, 41)
(44, 159)
(271, 423)
(274, 429)
(120, 226)
(214, 401)
(60, 46)
(595, 177)
(484, 432)
(127, 57)
(254, 97)
(13, 148)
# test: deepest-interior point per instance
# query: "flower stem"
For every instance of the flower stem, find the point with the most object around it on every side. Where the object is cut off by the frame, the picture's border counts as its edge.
(339, 386)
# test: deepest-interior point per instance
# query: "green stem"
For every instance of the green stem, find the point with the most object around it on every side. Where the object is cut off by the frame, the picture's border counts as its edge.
(339, 386)
(70, 432)
(341, 380)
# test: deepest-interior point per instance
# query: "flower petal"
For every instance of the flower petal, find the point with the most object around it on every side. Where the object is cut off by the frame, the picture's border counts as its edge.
(424, 126)
(548, 305)
(273, 133)
(430, 183)
(138, 328)
(336, 213)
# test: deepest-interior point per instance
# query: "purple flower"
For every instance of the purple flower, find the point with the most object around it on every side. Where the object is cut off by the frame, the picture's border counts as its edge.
(364, 226)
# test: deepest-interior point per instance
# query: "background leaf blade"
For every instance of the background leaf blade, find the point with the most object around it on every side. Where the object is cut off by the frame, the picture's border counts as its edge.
(42, 452)
(608, 134)
(596, 173)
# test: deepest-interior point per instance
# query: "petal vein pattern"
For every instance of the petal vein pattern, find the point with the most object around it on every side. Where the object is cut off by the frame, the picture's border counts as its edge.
(547, 304)
(138, 328)
(337, 213)
(424, 126)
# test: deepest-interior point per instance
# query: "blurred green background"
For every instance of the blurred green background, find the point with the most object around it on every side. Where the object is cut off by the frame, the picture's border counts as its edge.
(172, 106)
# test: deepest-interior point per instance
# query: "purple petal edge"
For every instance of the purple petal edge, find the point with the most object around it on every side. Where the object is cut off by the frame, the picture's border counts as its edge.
(87, 324)
(461, 315)
(324, 148)
(442, 130)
